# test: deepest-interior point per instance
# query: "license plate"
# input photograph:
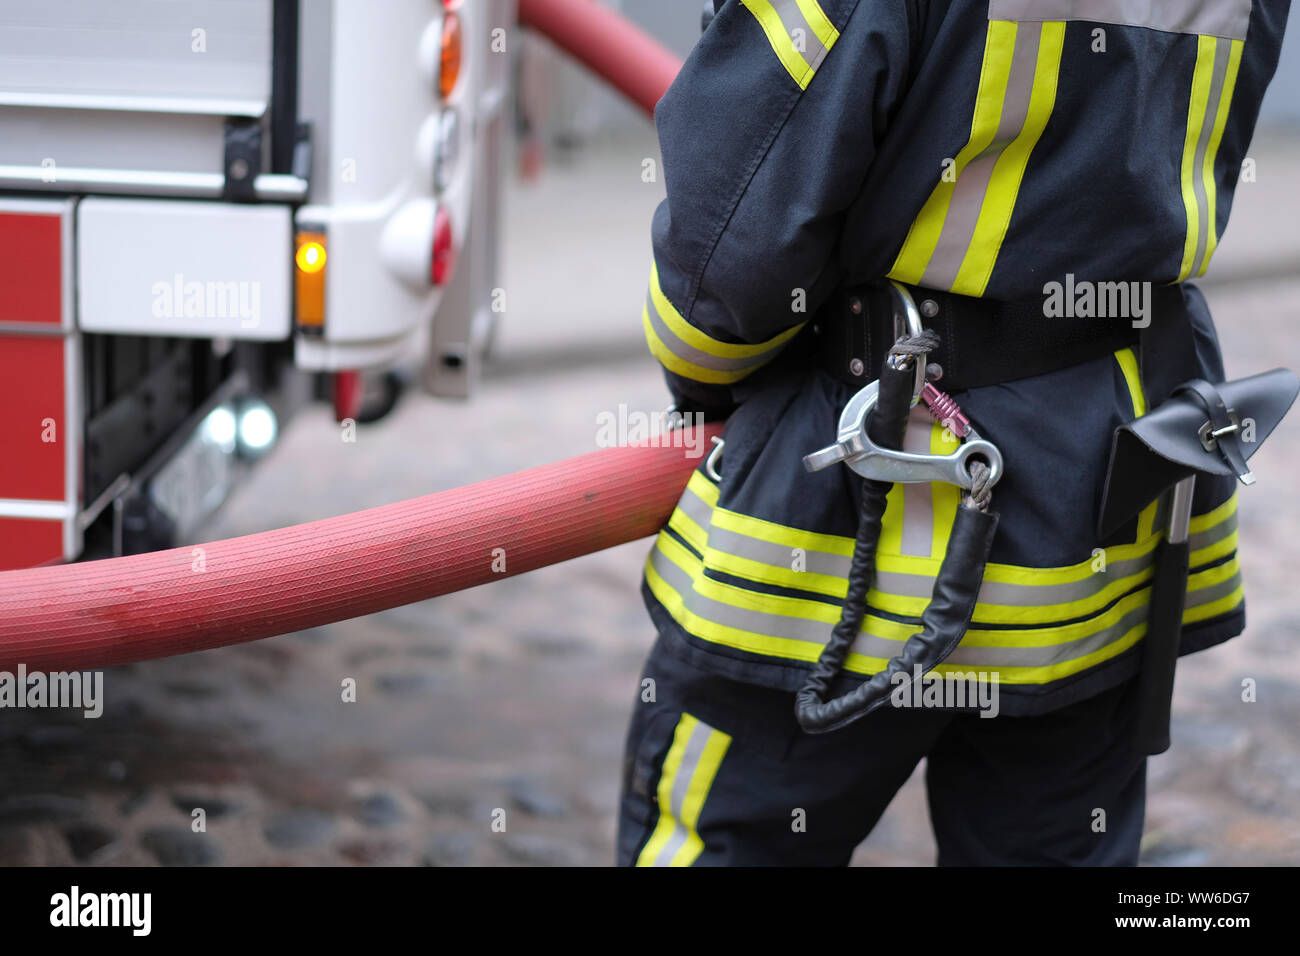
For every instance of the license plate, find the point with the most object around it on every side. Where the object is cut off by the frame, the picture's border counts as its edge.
(191, 486)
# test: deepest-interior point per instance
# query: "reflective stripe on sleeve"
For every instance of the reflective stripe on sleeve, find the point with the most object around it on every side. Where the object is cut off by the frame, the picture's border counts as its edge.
(800, 34)
(689, 352)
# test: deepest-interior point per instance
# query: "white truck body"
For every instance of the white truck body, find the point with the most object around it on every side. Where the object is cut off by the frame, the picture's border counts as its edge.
(166, 160)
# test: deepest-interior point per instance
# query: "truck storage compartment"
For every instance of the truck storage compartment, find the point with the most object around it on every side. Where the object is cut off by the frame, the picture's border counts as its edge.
(185, 269)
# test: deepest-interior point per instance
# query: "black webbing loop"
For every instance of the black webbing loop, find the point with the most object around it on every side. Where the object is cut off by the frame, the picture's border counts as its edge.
(952, 602)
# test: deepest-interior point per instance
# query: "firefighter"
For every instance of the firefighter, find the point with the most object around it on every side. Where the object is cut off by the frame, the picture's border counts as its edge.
(1042, 178)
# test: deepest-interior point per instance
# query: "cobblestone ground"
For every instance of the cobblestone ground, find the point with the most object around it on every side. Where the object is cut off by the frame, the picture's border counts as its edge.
(514, 696)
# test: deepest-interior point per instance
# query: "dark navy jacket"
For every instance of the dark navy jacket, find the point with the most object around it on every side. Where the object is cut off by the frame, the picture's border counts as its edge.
(985, 147)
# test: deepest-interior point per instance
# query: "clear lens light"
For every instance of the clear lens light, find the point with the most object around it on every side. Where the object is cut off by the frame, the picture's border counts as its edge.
(257, 427)
(220, 426)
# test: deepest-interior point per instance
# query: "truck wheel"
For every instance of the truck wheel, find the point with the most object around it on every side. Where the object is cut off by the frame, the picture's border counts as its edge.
(380, 393)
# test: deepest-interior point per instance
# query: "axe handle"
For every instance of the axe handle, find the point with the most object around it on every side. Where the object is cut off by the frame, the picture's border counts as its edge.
(1164, 626)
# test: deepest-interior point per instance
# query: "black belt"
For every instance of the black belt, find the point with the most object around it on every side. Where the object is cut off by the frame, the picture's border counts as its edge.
(984, 341)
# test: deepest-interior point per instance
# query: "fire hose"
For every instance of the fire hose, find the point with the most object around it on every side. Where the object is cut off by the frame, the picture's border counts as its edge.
(115, 611)
(617, 51)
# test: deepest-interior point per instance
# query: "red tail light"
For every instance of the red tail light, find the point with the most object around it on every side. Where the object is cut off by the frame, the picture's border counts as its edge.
(444, 249)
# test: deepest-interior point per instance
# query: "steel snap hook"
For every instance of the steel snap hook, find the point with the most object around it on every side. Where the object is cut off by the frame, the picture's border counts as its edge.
(856, 449)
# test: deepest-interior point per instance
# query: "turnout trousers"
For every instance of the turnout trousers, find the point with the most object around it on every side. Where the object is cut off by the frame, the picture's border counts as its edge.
(717, 772)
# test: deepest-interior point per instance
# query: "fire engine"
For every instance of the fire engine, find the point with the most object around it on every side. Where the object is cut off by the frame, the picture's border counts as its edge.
(214, 211)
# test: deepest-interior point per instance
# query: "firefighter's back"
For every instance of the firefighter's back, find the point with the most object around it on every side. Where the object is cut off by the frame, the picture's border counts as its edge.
(1040, 138)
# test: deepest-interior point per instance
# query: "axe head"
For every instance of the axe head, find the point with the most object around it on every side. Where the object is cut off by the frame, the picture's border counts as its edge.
(1171, 442)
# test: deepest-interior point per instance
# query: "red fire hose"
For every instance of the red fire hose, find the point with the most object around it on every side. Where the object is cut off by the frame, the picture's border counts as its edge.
(610, 46)
(100, 613)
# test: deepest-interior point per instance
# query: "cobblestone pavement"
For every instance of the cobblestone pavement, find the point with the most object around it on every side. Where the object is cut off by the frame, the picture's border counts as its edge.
(514, 697)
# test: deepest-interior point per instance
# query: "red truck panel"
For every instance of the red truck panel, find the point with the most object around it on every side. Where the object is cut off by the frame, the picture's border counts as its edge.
(30, 271)
(32, 396)
(27, 542)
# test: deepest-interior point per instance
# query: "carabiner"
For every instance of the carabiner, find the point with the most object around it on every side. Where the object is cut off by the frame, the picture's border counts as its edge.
(856, 449)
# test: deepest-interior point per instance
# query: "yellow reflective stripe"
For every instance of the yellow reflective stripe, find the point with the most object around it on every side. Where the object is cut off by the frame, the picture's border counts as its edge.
(1128, 364)
(727, 362)
(1201, 77)
(924, 233)
(1046, 636)
(1048, 673)
(1146, 521)
(706, 490)
(1000, 198)
(822, 27)
(715, 748)
(1203, 612)
(780, 611)
(751, 569)
(700, 340)
(903, 564)
(1105, 587)
(682, 367)
(781, 534)
(1207, 168)
(891, 522)
(795, 19)
(1212, 517)
(946, 498)
(780, 607)
(687, 774)
(667, 777)
(767, 644)
(782, 45)
(689, 530)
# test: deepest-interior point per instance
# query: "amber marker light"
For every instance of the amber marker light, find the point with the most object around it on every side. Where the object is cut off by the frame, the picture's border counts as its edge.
(309, 280)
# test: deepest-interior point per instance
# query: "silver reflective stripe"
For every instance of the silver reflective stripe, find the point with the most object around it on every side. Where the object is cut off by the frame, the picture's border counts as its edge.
(778, 557)
(917, 538)
(792, 19)
(681, 784)
(815, 631)
(695, 356)
(973, 181)
(1069, 650)
(1220, 18)
(1206, 220)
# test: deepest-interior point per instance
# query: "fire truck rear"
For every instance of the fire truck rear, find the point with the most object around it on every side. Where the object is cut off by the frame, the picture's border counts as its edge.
(212, 212)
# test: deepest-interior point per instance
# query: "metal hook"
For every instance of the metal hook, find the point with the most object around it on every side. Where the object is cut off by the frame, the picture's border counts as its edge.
(856, 449)
(715, 456)
(907, 320)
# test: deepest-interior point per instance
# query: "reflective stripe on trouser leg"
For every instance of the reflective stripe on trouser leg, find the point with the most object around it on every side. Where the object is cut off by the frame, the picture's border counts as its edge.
(688, 771)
